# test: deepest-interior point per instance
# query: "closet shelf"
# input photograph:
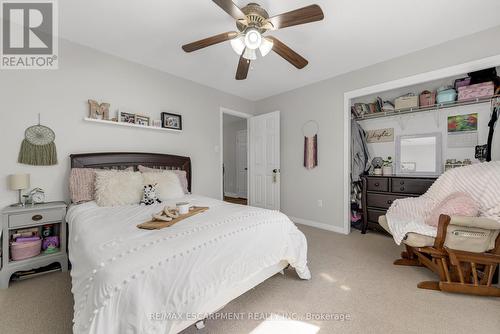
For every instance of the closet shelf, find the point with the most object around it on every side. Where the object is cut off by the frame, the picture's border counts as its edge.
(427, 108)
(87, 119)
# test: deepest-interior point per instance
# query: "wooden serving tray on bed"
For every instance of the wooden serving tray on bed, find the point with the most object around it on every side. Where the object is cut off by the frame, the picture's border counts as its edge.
(158, 225)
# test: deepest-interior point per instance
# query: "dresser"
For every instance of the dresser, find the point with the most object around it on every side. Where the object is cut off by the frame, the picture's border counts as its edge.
(379, 192)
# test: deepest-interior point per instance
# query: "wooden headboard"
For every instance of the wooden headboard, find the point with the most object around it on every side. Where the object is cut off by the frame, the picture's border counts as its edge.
(122, 160)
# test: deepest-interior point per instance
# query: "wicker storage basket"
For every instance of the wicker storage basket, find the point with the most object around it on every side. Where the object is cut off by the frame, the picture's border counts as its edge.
(25, 250)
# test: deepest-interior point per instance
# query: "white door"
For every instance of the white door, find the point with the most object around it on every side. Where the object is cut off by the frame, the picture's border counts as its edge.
(241, 163)
(264, 164)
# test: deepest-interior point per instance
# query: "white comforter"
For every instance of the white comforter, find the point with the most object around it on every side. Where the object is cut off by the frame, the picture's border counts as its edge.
(123, 275)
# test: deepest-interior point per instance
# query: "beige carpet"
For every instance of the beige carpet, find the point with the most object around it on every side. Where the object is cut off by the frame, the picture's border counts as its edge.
(352, 275)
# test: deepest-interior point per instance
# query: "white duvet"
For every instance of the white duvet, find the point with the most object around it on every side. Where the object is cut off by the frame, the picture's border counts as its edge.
(125, 278)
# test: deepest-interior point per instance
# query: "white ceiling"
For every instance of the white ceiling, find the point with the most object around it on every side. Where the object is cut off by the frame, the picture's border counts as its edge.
(354, 34)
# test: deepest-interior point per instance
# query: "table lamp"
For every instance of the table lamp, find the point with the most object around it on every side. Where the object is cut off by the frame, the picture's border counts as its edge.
(19, 182)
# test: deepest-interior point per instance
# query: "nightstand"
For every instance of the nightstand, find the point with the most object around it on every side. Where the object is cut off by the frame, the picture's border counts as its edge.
(37, 216)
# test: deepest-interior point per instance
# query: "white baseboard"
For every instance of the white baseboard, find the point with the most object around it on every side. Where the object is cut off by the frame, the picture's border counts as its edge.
(321, 226)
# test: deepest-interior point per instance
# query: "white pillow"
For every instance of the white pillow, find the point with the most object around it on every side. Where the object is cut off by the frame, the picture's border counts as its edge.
(114, 188)
(169, 186)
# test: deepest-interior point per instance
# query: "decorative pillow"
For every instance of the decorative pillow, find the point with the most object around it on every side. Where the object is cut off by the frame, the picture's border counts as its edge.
(150, 196)
(180, 173)
(82, 184)
(114, 188)
(456, 204)
(169, 186)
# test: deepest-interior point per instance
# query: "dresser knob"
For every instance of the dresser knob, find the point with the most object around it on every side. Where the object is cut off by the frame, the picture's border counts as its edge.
(377, 184)
(402, 188)
(37, 217)
(389, 201)
(402, 182)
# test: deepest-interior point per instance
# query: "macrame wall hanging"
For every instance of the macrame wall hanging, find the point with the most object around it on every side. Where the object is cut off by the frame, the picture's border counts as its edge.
(38, 147)
(310, 131)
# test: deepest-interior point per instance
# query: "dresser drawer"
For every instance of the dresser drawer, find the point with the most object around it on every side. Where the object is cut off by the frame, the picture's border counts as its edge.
(373, 215)
(410, 186)
(381, 200)
(36, 218)
(377, 184)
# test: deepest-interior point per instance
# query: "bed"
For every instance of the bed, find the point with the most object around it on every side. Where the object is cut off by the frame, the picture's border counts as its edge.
(128, 280)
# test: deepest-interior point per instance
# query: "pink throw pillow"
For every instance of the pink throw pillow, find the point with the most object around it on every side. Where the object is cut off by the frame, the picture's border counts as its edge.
(82, 184)
(456, 204)
(181, 174)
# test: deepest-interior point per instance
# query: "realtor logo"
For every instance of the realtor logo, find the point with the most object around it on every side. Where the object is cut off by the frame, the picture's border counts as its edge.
(29, 34)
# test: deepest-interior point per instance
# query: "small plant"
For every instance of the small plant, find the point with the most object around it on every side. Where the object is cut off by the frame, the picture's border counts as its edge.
(388, 162)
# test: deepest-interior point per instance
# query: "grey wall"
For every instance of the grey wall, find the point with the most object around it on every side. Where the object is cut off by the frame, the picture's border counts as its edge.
(85, 73)
(324, 102)
(61, 98)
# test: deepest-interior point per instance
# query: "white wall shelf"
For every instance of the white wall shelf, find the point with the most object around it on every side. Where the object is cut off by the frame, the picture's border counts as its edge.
(131, 125)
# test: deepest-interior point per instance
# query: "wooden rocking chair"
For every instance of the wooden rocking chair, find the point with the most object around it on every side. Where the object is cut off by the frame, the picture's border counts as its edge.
(464, 254)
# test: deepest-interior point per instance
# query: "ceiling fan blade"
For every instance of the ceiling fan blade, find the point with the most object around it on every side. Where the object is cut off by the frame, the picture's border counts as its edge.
(288, 54)
(209, 41)
(229, 7)
(304, 15)
(243, 67)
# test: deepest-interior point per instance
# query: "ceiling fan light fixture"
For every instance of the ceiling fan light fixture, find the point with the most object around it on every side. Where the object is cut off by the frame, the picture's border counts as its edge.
(253, 39)
(250, 54)
(238, 44)
(266, 47)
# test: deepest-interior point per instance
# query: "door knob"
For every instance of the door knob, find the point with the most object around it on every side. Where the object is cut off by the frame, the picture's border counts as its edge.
(275, 175)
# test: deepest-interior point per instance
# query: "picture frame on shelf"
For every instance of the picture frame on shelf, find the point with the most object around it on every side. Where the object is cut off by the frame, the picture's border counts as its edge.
(171, 121)
(126, 117)
(142, 120)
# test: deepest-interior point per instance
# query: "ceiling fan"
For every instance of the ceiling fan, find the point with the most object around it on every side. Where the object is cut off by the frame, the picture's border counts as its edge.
(252, 22)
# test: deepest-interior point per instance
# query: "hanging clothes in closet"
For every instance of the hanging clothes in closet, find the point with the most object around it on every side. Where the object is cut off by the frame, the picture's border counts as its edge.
(360, 160)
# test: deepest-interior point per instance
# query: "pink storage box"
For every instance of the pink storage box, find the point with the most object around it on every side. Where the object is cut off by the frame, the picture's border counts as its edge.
(25, 250)
(427, 98)
(484, 89)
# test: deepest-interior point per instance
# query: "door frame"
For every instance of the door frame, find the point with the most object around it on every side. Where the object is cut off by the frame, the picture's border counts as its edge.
(240, 114)
(445, 72)
(237, 161)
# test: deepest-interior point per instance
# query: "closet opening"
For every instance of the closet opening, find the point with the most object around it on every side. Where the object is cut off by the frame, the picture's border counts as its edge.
(402, 135)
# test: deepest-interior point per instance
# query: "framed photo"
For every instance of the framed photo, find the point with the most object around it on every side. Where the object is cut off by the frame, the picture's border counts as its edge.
(171, 121)
(142, 120)
(126, 117)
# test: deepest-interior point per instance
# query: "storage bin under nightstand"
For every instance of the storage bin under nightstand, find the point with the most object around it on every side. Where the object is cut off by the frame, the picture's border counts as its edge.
(32, 216)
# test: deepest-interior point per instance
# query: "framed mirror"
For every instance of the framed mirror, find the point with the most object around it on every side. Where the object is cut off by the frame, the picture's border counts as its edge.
(419, 155)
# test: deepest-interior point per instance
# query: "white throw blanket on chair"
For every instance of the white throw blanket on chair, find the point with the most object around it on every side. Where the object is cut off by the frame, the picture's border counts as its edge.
(480, 181)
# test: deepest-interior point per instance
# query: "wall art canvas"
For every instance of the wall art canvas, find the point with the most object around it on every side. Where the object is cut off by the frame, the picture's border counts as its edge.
(462, 123)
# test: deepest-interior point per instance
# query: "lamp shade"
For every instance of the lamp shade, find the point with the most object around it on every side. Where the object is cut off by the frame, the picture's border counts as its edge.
(19, 181)
(266, 46)
(250, 54)
(238, 44)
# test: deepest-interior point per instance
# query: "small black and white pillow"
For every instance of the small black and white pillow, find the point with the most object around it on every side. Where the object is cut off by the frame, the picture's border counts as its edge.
(150, 196)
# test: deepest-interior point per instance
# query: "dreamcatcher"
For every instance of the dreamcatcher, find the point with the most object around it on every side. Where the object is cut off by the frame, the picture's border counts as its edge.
(38, 147)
